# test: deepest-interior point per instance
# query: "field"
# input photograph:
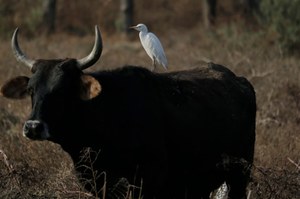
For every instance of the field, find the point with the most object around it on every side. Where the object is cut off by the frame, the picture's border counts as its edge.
(32, 169)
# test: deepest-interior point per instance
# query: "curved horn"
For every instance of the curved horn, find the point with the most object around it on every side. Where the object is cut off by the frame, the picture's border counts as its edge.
(94, 54)
(20, 56)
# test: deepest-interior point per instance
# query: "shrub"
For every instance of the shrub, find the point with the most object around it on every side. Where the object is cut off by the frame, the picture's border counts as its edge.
(282, 18)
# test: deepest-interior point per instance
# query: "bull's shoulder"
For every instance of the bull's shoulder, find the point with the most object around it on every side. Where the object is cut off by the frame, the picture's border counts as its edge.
(126, 79)
(123, 72)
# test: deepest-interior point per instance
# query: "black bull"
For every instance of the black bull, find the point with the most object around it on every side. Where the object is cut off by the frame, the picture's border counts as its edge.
(182, 133)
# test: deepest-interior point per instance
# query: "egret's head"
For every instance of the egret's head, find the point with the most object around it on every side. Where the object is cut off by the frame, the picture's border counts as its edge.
(140, 27)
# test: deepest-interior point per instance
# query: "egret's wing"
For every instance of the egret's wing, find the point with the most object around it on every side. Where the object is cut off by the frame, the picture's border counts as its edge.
(155, 49)
(146, 43)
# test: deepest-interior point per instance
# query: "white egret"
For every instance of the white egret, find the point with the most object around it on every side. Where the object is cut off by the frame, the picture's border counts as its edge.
(152, 46)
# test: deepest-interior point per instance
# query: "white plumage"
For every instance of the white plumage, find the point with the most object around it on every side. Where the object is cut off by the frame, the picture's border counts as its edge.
(152, 46)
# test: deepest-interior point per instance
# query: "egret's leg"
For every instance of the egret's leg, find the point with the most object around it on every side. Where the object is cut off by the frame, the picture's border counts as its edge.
(154, 64)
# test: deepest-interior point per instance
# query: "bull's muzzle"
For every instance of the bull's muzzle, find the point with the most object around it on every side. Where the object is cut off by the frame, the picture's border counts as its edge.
(36, 130)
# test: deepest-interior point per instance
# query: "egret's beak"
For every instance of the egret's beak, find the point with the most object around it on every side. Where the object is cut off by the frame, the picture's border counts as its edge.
(133, 27)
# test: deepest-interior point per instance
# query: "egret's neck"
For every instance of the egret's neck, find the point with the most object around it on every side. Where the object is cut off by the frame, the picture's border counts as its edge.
(142, 34)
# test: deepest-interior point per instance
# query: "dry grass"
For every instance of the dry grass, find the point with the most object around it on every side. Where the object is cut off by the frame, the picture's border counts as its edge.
(43, 170)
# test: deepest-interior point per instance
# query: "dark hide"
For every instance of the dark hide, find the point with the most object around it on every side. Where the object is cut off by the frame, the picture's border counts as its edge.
(182, 133)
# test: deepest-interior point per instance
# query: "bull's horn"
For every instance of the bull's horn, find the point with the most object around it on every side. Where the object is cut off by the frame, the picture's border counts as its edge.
(94, 54)
(20, 56)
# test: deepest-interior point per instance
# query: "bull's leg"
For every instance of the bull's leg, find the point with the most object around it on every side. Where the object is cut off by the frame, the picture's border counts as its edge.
(196, 193)
(197, 186)
(237, 182)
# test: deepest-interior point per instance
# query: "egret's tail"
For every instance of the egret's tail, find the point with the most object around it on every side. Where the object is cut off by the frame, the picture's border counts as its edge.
(164, 63)
(165, 66)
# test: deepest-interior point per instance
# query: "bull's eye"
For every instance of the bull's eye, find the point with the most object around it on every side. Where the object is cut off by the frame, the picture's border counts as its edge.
(30, 90)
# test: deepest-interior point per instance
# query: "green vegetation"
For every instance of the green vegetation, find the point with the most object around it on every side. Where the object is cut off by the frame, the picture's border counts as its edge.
(282, 18)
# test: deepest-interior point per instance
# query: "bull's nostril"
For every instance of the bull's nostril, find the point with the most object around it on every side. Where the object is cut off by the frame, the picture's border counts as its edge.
(25, 128)
(32, 124)
(35, 129)
(39, 127)
(29, 129)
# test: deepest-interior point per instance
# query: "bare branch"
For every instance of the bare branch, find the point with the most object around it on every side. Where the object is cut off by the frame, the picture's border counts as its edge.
(294, 163)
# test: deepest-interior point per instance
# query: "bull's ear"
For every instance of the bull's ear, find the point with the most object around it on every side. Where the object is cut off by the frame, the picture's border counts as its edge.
(15, 88)
(90, 87)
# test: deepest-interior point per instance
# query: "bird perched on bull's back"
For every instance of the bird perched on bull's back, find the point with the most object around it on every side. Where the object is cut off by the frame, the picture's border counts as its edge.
(152, 46)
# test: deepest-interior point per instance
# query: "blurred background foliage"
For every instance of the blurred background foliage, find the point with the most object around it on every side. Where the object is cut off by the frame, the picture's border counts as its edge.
(279, 20)
(282, 18)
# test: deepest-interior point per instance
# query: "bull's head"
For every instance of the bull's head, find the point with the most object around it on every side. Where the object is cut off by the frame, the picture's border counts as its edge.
(55, 87)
